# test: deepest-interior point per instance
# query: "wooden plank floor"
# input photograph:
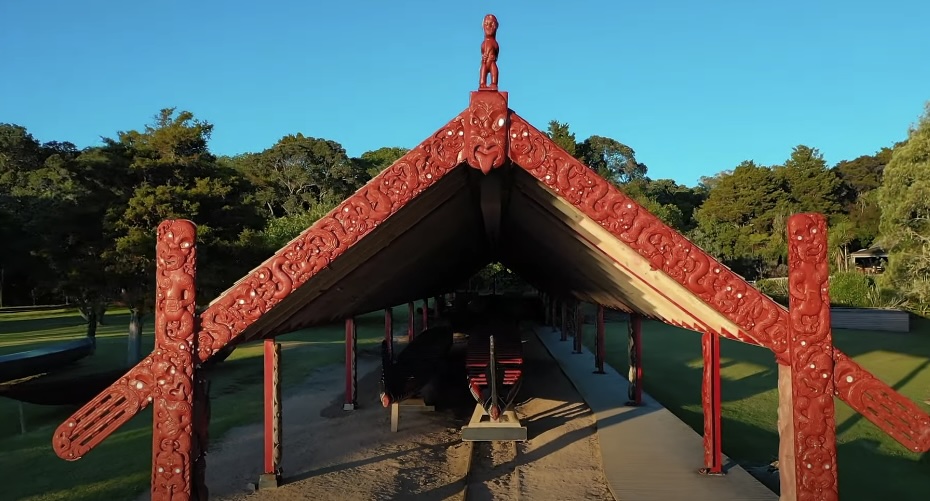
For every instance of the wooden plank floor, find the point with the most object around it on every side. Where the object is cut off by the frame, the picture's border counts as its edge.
(648, 453)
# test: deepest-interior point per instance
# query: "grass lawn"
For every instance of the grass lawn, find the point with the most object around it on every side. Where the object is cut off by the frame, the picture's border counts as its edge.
(871, 464)
(119, 468)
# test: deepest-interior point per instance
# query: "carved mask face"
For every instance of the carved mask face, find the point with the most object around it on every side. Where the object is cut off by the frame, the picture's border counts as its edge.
(178, 246)
(490, 25)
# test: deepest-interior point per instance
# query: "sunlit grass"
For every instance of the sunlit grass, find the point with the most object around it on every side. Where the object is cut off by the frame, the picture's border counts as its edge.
(672, 367)
(119, 468)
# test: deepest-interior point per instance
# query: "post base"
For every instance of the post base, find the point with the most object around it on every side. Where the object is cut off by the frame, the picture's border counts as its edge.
(633, 403)
(711, 473)
(598, 372)
(269, 481)
(349, 407)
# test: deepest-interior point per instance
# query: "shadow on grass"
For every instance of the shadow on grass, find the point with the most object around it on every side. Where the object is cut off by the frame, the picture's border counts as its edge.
(672, 375)
(119, 467)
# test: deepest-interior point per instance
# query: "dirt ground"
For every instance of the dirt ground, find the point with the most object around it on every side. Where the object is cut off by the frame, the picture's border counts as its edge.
(331, 454)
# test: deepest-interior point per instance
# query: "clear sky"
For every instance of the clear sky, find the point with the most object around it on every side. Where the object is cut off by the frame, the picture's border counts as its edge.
(694, 87)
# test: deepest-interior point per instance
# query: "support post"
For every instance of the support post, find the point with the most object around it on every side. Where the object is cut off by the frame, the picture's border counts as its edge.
(389, 331)
(425, 315)
(600, 345)
(635, 332)
(564, 320)
(578, 318)
(175, 345)
(710, 401)
(351, 401)
(271, 476)
(201, 425)
(545, 307)
(411, 321)
(810, 350)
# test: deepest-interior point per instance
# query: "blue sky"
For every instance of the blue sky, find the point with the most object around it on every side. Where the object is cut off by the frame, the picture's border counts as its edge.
(694, 87)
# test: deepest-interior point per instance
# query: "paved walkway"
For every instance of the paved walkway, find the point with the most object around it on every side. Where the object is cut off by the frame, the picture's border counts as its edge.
(648, 453)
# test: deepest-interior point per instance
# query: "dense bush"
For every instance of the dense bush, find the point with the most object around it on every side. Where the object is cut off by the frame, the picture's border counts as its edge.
(846, 289)
(777, 288)
(851, 289)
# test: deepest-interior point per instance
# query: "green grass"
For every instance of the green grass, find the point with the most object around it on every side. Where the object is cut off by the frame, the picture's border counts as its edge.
(119, 468)
(868, 459)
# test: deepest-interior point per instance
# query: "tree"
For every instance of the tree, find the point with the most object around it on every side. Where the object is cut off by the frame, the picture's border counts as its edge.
(375, 161)
(742, 219)
(811, 187)
(840, 235)
(561, 135)
(862, 174)
(172, 174)
(612, 159)
(299, 173)
(904, 198)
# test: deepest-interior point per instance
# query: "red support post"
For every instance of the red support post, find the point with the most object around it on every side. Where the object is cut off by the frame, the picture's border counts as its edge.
(425, 315)
(579, 328)
(710, 400)
(351, 401)
(564, 321)
(173, 433)
(271, 476)
(635, 394)
(600, 349)
(411, 321)
(389, 331)
(810, 349)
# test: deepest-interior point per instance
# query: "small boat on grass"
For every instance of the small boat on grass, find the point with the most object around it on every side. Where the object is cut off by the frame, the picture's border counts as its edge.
(59, 389)
(43, 360)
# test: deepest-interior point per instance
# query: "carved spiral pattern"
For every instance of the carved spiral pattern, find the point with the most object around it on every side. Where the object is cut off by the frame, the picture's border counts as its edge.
(173, 364)
(761, 320)
(811, 349)
(318, 246)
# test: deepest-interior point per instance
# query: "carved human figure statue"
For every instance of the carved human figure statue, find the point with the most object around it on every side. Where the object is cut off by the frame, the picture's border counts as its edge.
(489, 51)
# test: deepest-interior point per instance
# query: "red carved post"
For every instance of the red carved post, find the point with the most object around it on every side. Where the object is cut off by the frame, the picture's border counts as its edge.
(710, 400)
(389, 331)
(579, 328)
(810, 349)
(563, 317)
(635, 334)
(425, 315)
(271, 477)
(173, 433)
(600, 350)
(411, 320)
(351, 366)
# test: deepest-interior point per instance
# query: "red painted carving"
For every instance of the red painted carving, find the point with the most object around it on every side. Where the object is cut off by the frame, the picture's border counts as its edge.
(328, 238)
(106, 412)
(486, 130)
(272, 387)
(896, 415)
(811, 351)
(172, 433)
(710, 401)
(489, 53)
(756, 314)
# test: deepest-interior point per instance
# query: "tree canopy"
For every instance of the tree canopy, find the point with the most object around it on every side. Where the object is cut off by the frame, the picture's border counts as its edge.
(904, 198)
